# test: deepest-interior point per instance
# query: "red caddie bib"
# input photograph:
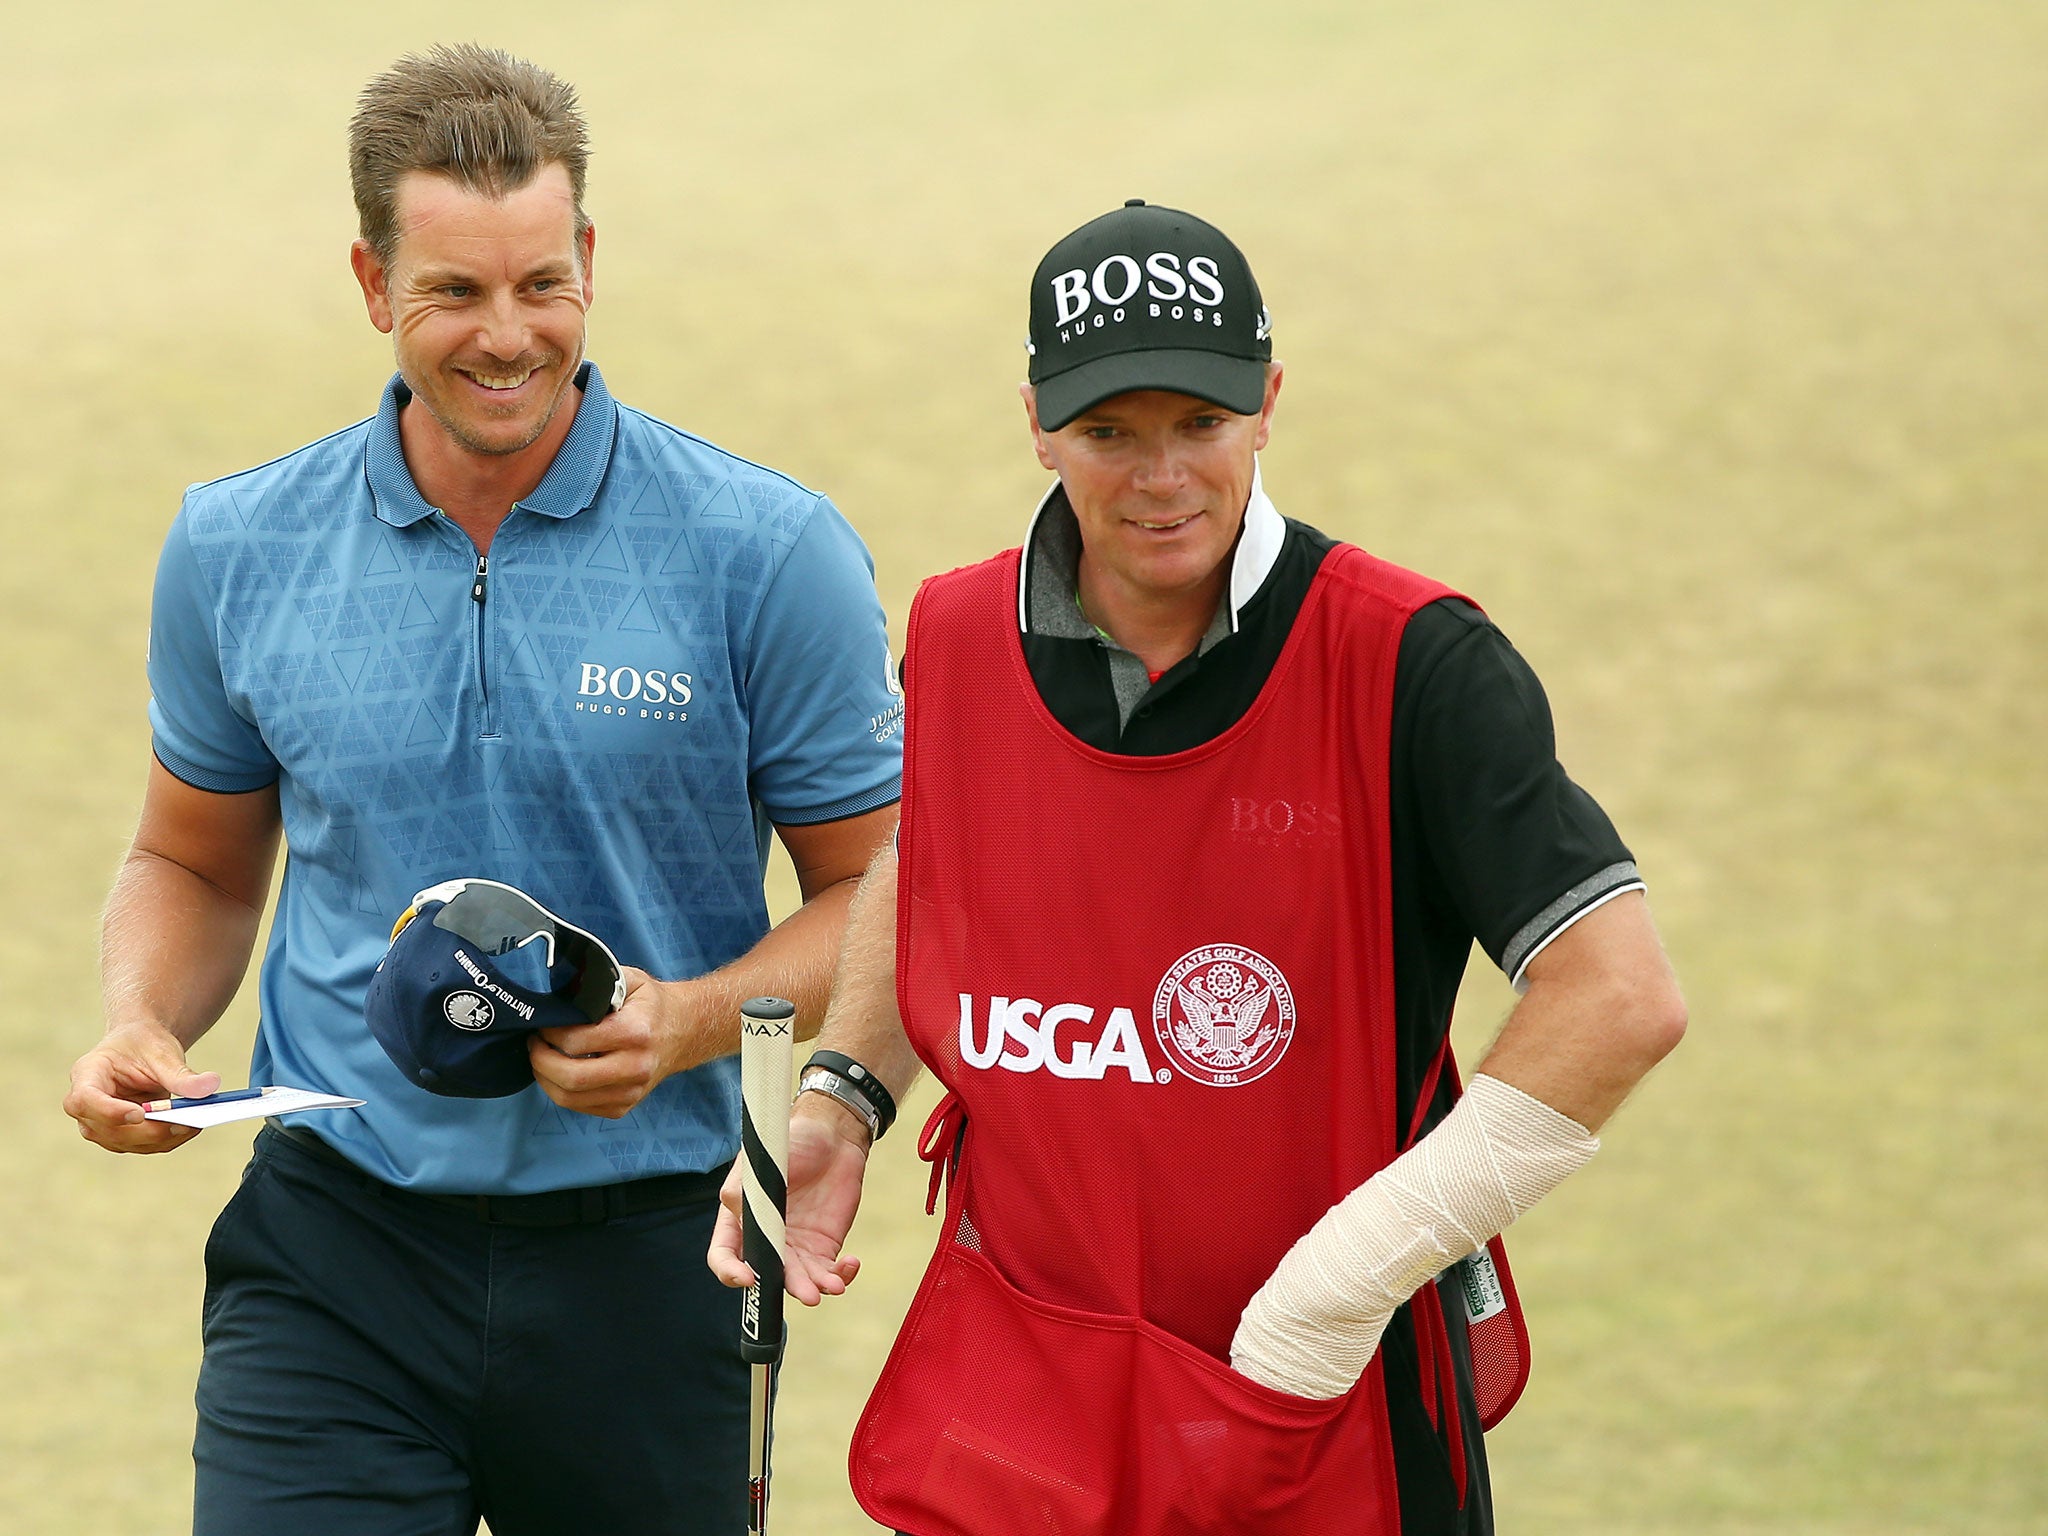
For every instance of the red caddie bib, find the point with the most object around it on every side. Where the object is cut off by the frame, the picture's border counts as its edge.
(1160, 993)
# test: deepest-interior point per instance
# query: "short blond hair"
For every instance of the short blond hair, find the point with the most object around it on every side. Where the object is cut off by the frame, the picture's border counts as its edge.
(479, 116)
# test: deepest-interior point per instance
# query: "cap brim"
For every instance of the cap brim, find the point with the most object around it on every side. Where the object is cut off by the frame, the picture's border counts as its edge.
(1235, 383)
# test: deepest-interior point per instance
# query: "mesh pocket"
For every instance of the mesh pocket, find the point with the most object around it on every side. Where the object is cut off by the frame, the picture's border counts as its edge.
(1499, 1336)
(999, 1414)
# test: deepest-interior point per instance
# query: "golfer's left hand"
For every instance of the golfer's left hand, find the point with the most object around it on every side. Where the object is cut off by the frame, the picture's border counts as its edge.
(606, 1068)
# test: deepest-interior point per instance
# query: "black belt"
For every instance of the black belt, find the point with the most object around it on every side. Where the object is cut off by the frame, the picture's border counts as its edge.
(551, 1208)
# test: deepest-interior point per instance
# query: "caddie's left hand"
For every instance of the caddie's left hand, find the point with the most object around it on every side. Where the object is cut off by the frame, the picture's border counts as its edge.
(828, 1159)
(606, 1068)
(1298, 1335)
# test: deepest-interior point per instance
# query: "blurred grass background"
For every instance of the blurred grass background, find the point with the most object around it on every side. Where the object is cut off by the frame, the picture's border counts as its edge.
(1706, 342)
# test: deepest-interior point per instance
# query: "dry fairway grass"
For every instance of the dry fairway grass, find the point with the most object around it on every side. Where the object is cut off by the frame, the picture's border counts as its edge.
(1707, 343)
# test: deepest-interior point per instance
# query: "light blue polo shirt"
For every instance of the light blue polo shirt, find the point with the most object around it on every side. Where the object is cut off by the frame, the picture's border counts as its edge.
(669, 649)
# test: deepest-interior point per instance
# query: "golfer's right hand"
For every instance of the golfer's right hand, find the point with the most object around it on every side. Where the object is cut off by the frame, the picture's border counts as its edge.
(828, 1158)
(132, 1065)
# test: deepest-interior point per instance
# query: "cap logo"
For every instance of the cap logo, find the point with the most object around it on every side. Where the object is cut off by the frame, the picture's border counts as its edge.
(1173, 287)
(468, 1010)
(1145, 298)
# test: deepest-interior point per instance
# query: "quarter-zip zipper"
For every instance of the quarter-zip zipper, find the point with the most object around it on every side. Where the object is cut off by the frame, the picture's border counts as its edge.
(479, 593)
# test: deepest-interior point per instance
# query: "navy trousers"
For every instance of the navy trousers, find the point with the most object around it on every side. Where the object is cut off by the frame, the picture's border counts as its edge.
(382, 1364)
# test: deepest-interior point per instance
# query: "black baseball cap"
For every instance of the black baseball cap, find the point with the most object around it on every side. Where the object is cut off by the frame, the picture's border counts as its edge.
(1146, 298)
(457, 993)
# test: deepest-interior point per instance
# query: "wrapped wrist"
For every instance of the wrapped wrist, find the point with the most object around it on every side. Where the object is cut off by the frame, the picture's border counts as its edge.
(1314, 1324)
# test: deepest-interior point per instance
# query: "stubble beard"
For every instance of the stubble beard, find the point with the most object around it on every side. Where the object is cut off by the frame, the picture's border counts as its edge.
(465, 437)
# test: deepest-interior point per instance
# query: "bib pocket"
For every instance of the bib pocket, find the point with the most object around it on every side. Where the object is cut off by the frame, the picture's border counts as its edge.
(999, 1413)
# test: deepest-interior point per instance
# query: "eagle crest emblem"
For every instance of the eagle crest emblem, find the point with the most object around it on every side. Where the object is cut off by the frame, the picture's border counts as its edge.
(1225, 1014)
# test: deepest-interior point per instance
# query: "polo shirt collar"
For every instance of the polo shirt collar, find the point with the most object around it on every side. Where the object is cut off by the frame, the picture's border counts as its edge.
(570, 485)
(1052, 550)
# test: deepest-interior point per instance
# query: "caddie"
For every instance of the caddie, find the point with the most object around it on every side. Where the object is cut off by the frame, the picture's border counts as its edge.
(1203, 812)
(507, 662)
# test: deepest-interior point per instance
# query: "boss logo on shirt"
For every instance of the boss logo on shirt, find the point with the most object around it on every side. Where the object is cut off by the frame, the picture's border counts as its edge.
(1271, 823)
(651, 694)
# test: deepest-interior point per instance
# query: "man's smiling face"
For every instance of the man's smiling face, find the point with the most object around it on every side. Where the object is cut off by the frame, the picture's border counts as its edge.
(1158, 482)
(485, 300)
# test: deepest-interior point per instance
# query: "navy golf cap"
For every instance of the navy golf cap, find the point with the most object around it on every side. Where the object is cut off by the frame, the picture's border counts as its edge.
(1146, 298)
(458, 991)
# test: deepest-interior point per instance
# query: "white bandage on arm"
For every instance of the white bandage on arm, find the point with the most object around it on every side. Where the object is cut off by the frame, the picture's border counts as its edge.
(1313, 1326)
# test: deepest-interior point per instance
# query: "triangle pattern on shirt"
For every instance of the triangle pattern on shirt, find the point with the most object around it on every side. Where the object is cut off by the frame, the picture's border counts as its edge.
(383, 559)
(418, 612)
(647, 545)
(508, 834)
(363, 899)
(681, 559)
(351, 620)
(726, 828)
(723, 506)
(602, 597)
(246, 504)
(652, 501)
(610, 554)
(639, 617)
(427, 729)
(524, 592)
(522, 663)
(349, 662)
(687, 488)
(494, 757)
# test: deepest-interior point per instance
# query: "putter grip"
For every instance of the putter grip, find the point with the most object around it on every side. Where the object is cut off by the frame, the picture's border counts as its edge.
(767, 1053)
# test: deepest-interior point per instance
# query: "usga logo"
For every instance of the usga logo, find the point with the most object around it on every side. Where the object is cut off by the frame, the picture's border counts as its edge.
(1222, 1014)
(650, 695)
(1023, 1035)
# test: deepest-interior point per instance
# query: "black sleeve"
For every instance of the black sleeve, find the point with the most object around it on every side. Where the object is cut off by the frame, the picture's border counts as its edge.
(1507, 841)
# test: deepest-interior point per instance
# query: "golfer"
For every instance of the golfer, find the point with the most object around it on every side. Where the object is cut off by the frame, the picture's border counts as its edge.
(1203, 813)
(505, 631)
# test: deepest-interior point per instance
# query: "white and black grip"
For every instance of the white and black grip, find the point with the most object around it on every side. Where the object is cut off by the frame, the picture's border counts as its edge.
(767, 1054)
